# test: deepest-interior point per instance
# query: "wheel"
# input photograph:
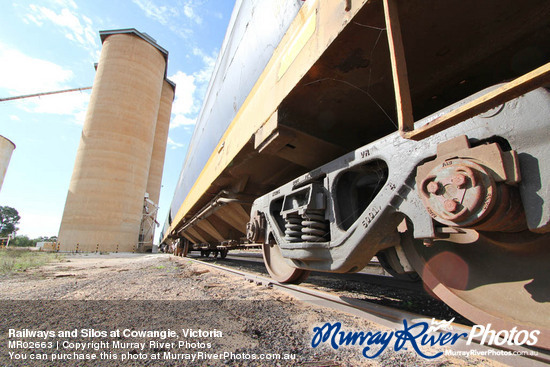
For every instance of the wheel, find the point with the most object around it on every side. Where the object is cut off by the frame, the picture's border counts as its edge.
(207, 253)
(388, 259)
(279, 269)
(500, 279)
(223, 253)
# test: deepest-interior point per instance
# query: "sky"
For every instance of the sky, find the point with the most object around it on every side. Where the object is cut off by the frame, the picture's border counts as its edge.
(50, 45)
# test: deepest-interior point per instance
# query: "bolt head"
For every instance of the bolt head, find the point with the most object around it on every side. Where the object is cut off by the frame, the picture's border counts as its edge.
(450, 206)
(459, 180)
(433, 187)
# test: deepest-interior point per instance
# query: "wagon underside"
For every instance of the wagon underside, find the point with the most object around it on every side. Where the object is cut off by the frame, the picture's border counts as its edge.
(342, 96)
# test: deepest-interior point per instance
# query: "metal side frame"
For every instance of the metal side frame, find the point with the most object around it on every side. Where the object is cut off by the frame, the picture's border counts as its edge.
(523, 122)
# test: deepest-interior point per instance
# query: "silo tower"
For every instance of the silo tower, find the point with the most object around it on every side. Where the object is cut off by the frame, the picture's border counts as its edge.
(6, 149)
(150, 205)
(104, 206)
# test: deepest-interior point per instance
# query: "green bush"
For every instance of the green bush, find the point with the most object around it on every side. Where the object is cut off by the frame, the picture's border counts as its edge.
(23, 241)
(14, 260)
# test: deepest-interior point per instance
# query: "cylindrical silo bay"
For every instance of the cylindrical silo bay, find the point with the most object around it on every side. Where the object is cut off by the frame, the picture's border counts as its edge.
(6, 148)
(157, 164)
(104, 205)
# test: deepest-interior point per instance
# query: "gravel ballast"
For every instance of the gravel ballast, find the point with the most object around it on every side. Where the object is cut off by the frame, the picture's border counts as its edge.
(90, 294)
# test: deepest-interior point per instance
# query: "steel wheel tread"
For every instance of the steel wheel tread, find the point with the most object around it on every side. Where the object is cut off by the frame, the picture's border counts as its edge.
(501, 279)
(278, 267)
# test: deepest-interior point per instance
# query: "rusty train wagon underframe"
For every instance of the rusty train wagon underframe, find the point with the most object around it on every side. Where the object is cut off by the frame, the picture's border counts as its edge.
(418, 131)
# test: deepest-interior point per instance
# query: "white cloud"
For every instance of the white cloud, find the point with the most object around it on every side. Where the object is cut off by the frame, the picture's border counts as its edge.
(32, 18)
(186, 105)
(182, 120)
(64, 19)
(73, 103)
(66, 3)
(15, 118)
(190, 13)
(184, 102)
(30, 75)
(190, 89)
(179, 22)
(209, 62)
(77, 28)
(161, 14)
(174, 145)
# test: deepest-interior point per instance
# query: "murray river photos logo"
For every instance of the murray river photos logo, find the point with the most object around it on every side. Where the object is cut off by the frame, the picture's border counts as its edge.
(418, 336)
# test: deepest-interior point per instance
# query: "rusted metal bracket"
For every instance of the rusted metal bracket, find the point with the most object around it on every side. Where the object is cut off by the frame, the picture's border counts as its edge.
(399, 68)
(526, 83)
(517, 87)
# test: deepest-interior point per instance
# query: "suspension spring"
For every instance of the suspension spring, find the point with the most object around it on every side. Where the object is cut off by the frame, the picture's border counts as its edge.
(293, 228)
(314, 226)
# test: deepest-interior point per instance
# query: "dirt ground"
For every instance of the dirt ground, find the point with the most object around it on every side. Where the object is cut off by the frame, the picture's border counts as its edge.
(110, 292)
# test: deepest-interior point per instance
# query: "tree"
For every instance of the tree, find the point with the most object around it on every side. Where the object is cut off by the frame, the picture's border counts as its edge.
(9, 218)
(23, 241)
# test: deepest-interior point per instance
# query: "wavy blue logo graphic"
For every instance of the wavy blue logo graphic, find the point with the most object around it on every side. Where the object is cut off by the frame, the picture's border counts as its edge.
(375, 343)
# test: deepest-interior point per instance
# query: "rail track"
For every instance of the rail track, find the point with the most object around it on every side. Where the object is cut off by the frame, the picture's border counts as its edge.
(369, 285)
(316, 291)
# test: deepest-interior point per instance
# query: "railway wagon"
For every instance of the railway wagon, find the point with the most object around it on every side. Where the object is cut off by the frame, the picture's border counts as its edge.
(334, 131)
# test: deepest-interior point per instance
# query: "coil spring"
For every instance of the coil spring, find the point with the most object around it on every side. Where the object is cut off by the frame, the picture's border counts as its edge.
(314, 226)
(293, 228)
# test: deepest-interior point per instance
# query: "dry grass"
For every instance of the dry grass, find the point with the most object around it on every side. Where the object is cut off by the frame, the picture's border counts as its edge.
(15, 260)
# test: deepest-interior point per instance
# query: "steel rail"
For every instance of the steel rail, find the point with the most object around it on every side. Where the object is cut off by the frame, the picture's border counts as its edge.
(386, 316)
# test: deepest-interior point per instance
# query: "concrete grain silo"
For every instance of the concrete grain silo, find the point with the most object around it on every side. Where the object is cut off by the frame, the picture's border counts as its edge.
(150, 206)
(6, 148)
(104, 206)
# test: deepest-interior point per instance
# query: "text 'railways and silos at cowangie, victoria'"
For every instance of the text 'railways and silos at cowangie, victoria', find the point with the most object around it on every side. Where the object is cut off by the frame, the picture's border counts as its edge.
(415, 131)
